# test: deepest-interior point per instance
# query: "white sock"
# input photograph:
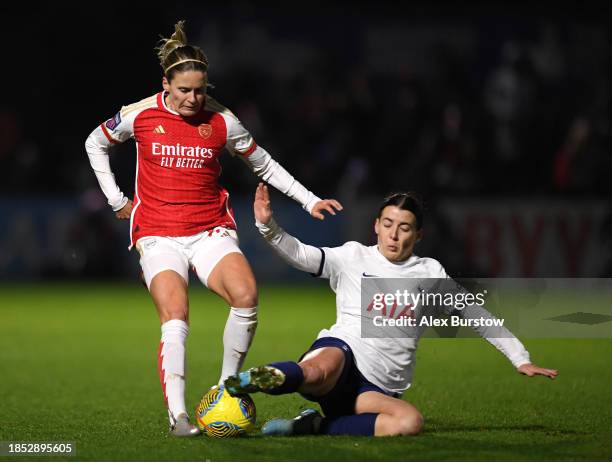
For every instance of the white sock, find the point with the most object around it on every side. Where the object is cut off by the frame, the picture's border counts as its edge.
(171, 365)
(237, 338)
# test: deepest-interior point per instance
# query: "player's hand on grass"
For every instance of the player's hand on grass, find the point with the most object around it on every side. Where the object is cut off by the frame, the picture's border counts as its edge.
(531, 370)
(261, 205)
(126, 212)
(330, 205)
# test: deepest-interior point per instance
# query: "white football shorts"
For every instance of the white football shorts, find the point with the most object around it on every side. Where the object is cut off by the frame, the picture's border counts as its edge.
(201, 252)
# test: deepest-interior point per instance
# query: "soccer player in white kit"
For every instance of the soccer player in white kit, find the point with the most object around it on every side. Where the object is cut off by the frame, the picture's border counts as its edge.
(181, 217)
(358, 381)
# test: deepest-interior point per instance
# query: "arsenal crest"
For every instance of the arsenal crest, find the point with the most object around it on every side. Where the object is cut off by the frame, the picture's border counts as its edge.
(205, 130)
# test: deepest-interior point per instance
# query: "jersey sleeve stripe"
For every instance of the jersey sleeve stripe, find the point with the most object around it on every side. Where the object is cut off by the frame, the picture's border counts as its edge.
(108, 135)
(249, 151)
(321, 265)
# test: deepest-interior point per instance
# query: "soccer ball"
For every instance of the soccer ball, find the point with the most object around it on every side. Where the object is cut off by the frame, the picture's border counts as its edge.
(221, 415)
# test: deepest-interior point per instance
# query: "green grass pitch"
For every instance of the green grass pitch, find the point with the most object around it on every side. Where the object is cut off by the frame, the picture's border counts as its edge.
(78, 363)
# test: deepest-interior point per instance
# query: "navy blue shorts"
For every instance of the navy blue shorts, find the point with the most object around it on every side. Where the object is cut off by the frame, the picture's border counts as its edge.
(351, 383)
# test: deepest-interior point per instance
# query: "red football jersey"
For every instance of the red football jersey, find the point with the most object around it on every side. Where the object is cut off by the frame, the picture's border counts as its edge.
(177, 192)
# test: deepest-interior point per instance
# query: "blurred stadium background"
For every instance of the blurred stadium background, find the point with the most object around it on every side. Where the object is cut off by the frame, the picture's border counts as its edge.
(499, 116)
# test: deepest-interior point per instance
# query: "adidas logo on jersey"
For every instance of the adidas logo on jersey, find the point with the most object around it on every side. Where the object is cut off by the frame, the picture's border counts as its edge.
(159, 129)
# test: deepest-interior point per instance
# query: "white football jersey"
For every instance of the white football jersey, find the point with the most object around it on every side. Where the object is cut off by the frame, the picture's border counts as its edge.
(386, 362)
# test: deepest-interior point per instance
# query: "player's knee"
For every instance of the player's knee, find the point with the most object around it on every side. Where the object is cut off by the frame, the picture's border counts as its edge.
(410, 424)
(314, 376)
(172, 304)
(174, 308)
(170, 312)
(243, 296)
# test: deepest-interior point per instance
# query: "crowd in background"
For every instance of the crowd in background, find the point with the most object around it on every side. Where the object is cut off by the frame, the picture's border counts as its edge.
(351, 104)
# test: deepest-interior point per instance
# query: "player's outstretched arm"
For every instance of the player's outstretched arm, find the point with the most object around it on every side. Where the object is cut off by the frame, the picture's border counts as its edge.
(301, 256)
(531, 369)
(506, 342)
(263, 208)
(270, 171)
(240, 141)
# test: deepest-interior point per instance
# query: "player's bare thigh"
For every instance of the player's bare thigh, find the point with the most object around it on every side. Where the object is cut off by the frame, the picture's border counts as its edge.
(396, 416)
(232, 279)
(322, 368)
(165, 271)
(168, 290)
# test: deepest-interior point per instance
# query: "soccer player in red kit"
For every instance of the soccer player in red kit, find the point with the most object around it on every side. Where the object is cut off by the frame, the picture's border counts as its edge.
(181, 217)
